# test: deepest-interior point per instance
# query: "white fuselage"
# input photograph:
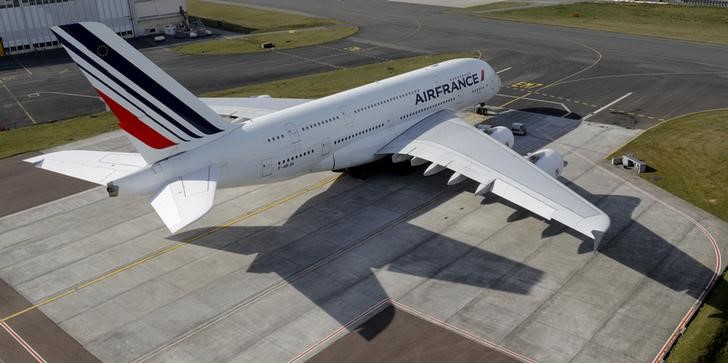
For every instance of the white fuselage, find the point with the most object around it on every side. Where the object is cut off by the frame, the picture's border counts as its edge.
(335, 132)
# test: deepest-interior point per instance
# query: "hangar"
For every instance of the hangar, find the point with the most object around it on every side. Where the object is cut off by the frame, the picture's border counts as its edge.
(24, 24)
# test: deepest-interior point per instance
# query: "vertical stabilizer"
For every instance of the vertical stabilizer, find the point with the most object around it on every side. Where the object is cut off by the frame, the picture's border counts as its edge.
(161, 117)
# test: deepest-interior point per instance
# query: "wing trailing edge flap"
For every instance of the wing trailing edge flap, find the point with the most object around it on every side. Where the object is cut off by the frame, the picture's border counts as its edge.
(447, 140)
(188, 198)
(98, 167)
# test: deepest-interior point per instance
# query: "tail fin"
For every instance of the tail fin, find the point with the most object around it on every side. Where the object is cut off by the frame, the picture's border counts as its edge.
(161, 117)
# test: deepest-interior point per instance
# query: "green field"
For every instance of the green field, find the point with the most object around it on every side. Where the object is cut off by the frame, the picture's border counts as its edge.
(690, 158)
(254, 19)
(706, 24)
(706, 339)
(691, 161)
(39, 137)
(281, 40)
(324, 84)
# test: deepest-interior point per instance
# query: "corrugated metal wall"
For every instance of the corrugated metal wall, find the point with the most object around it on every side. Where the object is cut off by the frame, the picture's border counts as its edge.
(24, 23)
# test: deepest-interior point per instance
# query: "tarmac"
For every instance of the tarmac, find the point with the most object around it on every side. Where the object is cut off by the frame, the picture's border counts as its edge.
(548, 67)
(285, 271)
(273, 272)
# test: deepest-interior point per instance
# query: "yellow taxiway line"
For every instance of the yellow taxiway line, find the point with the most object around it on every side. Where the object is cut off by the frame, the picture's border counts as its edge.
(171, 248)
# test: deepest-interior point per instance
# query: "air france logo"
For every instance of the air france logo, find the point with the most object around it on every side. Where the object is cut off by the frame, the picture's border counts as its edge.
(447, 88)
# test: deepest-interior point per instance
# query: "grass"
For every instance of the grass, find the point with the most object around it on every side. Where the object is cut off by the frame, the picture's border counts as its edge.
(38, 137)
(690, 158)
(44, 136)
(324, 84)
(255, 19)
(706, 339)
(281, 40)
(705, 24)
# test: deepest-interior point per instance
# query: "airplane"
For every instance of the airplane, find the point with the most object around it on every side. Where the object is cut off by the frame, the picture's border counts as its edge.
(188, 146)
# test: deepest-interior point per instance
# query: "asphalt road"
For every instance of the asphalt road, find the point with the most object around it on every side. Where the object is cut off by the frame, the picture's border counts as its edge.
(580, 71)
(546, 69)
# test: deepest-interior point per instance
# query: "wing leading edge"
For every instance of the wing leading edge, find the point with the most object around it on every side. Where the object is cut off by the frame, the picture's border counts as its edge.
(449, 142)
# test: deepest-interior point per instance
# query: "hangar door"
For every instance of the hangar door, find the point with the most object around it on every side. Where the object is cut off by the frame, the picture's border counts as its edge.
(24, 24)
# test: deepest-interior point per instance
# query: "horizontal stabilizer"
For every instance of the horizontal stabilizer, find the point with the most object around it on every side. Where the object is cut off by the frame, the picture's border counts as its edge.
(187, 199)
(98, 167)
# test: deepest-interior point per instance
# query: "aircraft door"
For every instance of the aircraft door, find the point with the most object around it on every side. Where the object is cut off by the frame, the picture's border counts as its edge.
(345, 114)
(389, 123)
(267, 167)
(325, 146)
(292, 132)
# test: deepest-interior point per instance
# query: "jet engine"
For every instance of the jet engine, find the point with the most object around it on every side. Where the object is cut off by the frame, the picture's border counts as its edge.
(547, 160)
(501, 134)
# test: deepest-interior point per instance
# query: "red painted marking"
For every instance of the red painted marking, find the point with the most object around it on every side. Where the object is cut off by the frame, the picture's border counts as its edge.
(442, 324)
(482, 74)
(135, 126)
(23, 343)
(717, 269)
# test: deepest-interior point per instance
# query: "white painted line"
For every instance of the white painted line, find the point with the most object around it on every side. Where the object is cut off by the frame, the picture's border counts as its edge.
(17, 102)
(503, 70)
(22, 65)
(605, 107)
(23, 343)
(539, 100)
(36, 94)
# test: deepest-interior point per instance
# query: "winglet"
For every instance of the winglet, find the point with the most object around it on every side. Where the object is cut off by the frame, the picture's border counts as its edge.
(599, 225)
(597, 239)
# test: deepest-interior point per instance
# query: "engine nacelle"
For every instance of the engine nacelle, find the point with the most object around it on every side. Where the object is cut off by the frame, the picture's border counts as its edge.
(547, 160)
(501, 134)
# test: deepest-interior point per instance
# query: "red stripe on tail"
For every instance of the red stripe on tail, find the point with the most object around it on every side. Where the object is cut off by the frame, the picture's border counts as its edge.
(136, 127)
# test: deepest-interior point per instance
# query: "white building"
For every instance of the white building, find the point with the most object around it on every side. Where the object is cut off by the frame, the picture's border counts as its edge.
(24, 23)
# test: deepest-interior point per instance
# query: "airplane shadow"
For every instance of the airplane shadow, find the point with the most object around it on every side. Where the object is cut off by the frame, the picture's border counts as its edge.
(414, 250)
(628, 242)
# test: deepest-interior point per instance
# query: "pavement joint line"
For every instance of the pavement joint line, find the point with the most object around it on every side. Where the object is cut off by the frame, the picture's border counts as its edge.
(351, 322)
(716, 249)
(28, 348)
(408, 309)
(17, 102)
(640, 285)
(171, 248)
(576, 272)
(307, 59)
(463, 332)
(286, 281)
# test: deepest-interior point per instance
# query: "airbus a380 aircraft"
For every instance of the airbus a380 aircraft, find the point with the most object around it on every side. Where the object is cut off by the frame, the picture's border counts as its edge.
(190, 146)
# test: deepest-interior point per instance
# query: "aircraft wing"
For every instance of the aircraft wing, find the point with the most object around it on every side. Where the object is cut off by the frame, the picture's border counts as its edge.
(448, 141)
(250, 107)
